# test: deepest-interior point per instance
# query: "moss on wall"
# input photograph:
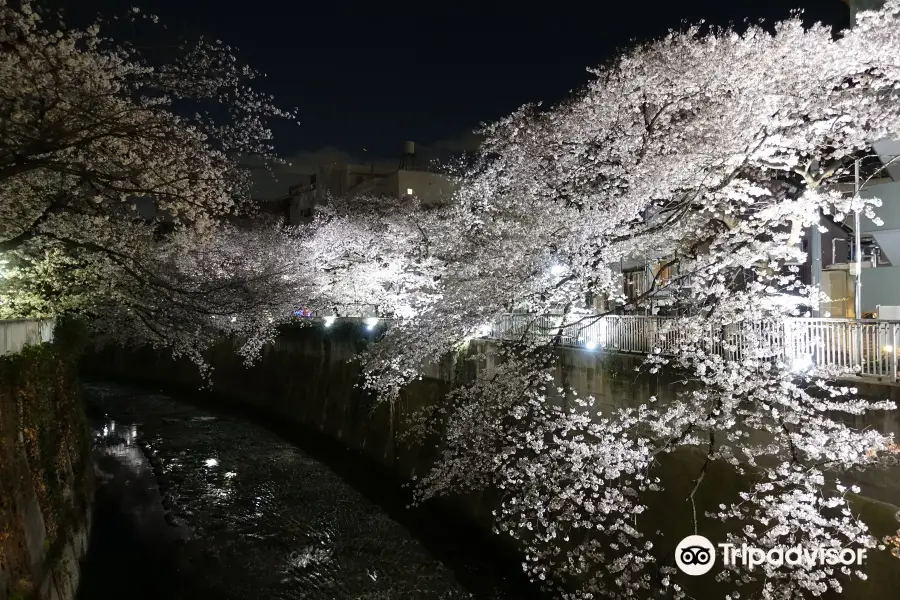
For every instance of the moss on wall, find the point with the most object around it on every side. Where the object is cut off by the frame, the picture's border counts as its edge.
(45, 479)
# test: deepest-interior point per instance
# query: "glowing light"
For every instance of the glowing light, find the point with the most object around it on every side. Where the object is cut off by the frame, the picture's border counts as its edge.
(591, 344)
(211, 462)
(888, 348)
(409, 191)
(371, 322)
(329, 321)
(802, 364)
(230, 474)
(557, 270)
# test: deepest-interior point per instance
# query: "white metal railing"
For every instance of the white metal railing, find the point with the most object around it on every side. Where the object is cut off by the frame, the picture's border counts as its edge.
(15, 335)
(864, 347)
(856, 346)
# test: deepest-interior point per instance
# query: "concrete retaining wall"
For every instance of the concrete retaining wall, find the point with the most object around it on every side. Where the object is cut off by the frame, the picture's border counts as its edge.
(307, 378)
(46, 480)
(15, 335)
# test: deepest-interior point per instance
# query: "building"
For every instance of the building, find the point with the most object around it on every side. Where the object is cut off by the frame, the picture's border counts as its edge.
(831, 260)
(826, 264)
(880, 273)
(396, 179)
(880, 244)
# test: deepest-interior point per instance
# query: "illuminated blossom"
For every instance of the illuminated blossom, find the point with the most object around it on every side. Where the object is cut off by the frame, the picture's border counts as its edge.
(116, 176)
(708, 153)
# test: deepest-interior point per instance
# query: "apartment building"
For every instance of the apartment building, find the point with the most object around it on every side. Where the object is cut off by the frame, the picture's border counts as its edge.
(831, 260)
(406, 178)
(879, 177)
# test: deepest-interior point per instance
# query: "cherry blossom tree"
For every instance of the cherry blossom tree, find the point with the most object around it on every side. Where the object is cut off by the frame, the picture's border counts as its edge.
(117, 174)
(706, 151)
(373, 253)
(183, 293)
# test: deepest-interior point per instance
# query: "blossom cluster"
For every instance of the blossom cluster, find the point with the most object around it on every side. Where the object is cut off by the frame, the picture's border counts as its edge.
(710, 152)
(120, 181)
(706, 153)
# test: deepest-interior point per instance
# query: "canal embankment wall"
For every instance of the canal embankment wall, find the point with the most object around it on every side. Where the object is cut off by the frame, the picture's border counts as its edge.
(308, 377)
(46, 478)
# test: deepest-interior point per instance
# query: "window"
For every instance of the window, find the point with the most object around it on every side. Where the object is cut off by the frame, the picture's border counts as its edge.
(635, 283)
(664, 274)
(598, 302)
(409, 191)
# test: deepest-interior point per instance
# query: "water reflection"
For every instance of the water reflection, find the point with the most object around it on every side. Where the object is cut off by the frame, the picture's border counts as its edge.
(120, 445)
(260, 518)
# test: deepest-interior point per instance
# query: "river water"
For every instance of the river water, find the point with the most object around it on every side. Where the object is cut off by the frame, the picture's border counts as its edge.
(192, 504)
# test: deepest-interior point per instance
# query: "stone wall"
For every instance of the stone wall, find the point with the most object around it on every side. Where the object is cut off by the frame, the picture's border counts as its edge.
(45, 475)
(307, 377)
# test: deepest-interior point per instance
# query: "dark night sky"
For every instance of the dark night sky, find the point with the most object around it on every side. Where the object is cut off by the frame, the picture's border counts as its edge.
(372, 74)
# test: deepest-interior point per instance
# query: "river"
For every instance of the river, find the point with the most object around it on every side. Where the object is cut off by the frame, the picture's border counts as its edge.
(198, 504)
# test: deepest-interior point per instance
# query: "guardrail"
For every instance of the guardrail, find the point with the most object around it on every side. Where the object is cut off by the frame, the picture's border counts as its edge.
(866, 346)
(15, 335)
(862, 347)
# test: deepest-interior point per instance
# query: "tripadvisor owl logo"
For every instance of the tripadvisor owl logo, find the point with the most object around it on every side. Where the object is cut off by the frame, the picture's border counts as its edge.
(695, 555)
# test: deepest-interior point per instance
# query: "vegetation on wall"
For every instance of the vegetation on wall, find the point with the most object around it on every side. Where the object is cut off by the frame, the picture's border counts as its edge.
(44, 451)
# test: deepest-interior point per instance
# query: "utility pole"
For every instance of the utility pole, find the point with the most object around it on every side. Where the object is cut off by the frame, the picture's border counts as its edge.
(857, 294)
(857, 299)
(815, 251)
